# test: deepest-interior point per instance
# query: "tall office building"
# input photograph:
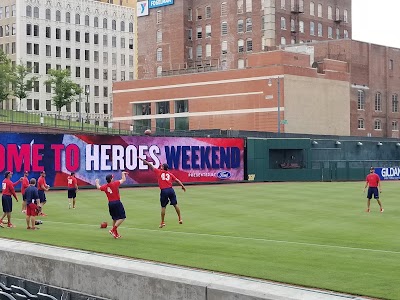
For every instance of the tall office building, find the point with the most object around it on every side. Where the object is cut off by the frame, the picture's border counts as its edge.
(198, 35)
(94, 40)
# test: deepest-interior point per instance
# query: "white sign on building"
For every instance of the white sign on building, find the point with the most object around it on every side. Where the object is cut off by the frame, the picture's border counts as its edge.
(142, 8)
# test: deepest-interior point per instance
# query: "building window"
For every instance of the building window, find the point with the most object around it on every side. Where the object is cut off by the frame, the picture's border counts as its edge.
(345, 34)
(105, 23)
(330, 33)
(395, 126)
(28, 29)
(78, 72)
(159, 36)
(58, 51)
(337, 14)
(29, 104)
(68, 17)
(58, 33)
(345, 18)
(199, 32)
(224, 9)
(240, 63)
(337, 33)
(143, 109)
(360, 99)
(283, 23)
(312, 8)
(224, 28)
(96, 22)
(249, 5)
(198, 14)
(77, 36)
(77, 53)
(159, 71)
(114, 25)
(391, 64)
(283, 41)
(28, 11)
(224, 47)
(395, 103)
(190, 14)
(48, 14)
(320, 10)
(240, 26)
(159, 54)
(292, 25)
(48, 105)
(208, 50)
(361, 124)
(87, 38)
(312, 28)
(87, 20)
(48, 32)
(320, 33)
(190, 52)
(301, 27)
(163, 107)
(249, 45)
(77, 19)
(378, 125)
(199, 51)
(378, 102)
(330, 14)
(114, 41)
(114, 59)
(58, 16)
(208, 31)
(283, 4)
(239, 6)
(159, 17)
(208, 12)
(240, 46)
(36, 12)
(181, 106)
(105, 91)
(122, 26)
(249, 25)
(131, 27)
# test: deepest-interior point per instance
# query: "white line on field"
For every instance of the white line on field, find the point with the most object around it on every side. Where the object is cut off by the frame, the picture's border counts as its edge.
(237, 238)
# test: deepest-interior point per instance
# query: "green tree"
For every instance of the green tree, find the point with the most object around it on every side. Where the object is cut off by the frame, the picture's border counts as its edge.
(22, 85)
(64, 89)
(6, 74)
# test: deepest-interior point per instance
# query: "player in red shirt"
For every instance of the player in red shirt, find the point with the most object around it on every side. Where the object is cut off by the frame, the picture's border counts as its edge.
(115, 206)
(167, 194)
(373, 182)
(24, 185)
(72, 189)
(8, 191)
(42, 188)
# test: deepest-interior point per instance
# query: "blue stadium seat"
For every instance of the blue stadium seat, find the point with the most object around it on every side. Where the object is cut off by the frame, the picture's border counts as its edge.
(5, 288)
(5, 296)
(43, 296)
(22, 291)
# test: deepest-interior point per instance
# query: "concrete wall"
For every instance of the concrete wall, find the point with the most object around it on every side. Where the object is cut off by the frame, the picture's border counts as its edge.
(317, 106)
(126, 279)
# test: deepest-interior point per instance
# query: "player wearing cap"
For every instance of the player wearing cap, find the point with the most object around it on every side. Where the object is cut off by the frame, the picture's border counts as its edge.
(72, 189)
(8, 191)
(42, 188)
(167, 193)
(24, 185)
(115, 206)
(373, 182)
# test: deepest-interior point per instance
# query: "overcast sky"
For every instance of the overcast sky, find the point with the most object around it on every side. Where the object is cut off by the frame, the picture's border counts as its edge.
(376, 22)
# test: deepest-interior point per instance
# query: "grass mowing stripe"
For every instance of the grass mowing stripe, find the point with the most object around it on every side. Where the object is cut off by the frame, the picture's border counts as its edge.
(234, 237)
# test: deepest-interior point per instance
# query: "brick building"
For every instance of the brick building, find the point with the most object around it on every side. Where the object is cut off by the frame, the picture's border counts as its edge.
(277, 87)
(198, 35)
(374, 84)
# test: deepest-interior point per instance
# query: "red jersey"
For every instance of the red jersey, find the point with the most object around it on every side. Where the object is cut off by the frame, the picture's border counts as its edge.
(8, 188)
(72, 182)
(41, 182)
(373, 180)
(112, 190)
(24, 184)
(164, 178)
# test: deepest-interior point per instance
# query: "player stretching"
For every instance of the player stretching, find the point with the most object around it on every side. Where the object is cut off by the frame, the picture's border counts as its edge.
(115, 206)
(373, 182)
(72, 189)
(167, 193)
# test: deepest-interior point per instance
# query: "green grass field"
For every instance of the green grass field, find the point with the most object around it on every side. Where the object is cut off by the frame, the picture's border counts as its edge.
(308, 234)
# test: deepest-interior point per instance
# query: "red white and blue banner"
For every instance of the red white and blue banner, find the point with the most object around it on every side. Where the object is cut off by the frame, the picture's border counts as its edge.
(390, 173)
(95, 156)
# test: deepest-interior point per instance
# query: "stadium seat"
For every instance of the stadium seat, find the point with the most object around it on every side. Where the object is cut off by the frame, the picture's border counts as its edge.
(22, 291)
(20, 297)
(5, 288)
(5, 296)
(43, 296)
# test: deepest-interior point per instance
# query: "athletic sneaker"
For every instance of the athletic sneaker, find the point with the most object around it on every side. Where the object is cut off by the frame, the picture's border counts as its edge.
(9, 225)
(180, 221)
(161, 225)
(382, 210)
(112, 232)
(368, 210)
(117, 235)
(1, 225)
(69, 206)
(24, 211)
(42, 214)
(28, 227)
(35, 228)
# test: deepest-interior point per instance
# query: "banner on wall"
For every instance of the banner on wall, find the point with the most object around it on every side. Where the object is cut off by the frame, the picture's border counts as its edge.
(95, 156)
(390, 173)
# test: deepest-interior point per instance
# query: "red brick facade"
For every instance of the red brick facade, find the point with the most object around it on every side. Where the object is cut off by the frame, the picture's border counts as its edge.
(173, 23)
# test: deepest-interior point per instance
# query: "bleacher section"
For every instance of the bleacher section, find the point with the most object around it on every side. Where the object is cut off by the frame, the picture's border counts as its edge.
(15, 288)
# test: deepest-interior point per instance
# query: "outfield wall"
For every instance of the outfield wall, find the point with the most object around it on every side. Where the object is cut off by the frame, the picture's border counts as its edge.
(126, 279)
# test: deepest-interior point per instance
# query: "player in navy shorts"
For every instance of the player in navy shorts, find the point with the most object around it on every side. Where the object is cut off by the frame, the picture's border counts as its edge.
(373, 182)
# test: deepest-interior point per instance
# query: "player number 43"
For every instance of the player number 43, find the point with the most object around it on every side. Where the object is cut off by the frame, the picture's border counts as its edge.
(165, 176)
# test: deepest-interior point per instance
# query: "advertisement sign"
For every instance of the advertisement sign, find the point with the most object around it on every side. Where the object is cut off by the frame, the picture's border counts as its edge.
(159, 3)
(391, 173)
(95, 156)
(142, 8)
